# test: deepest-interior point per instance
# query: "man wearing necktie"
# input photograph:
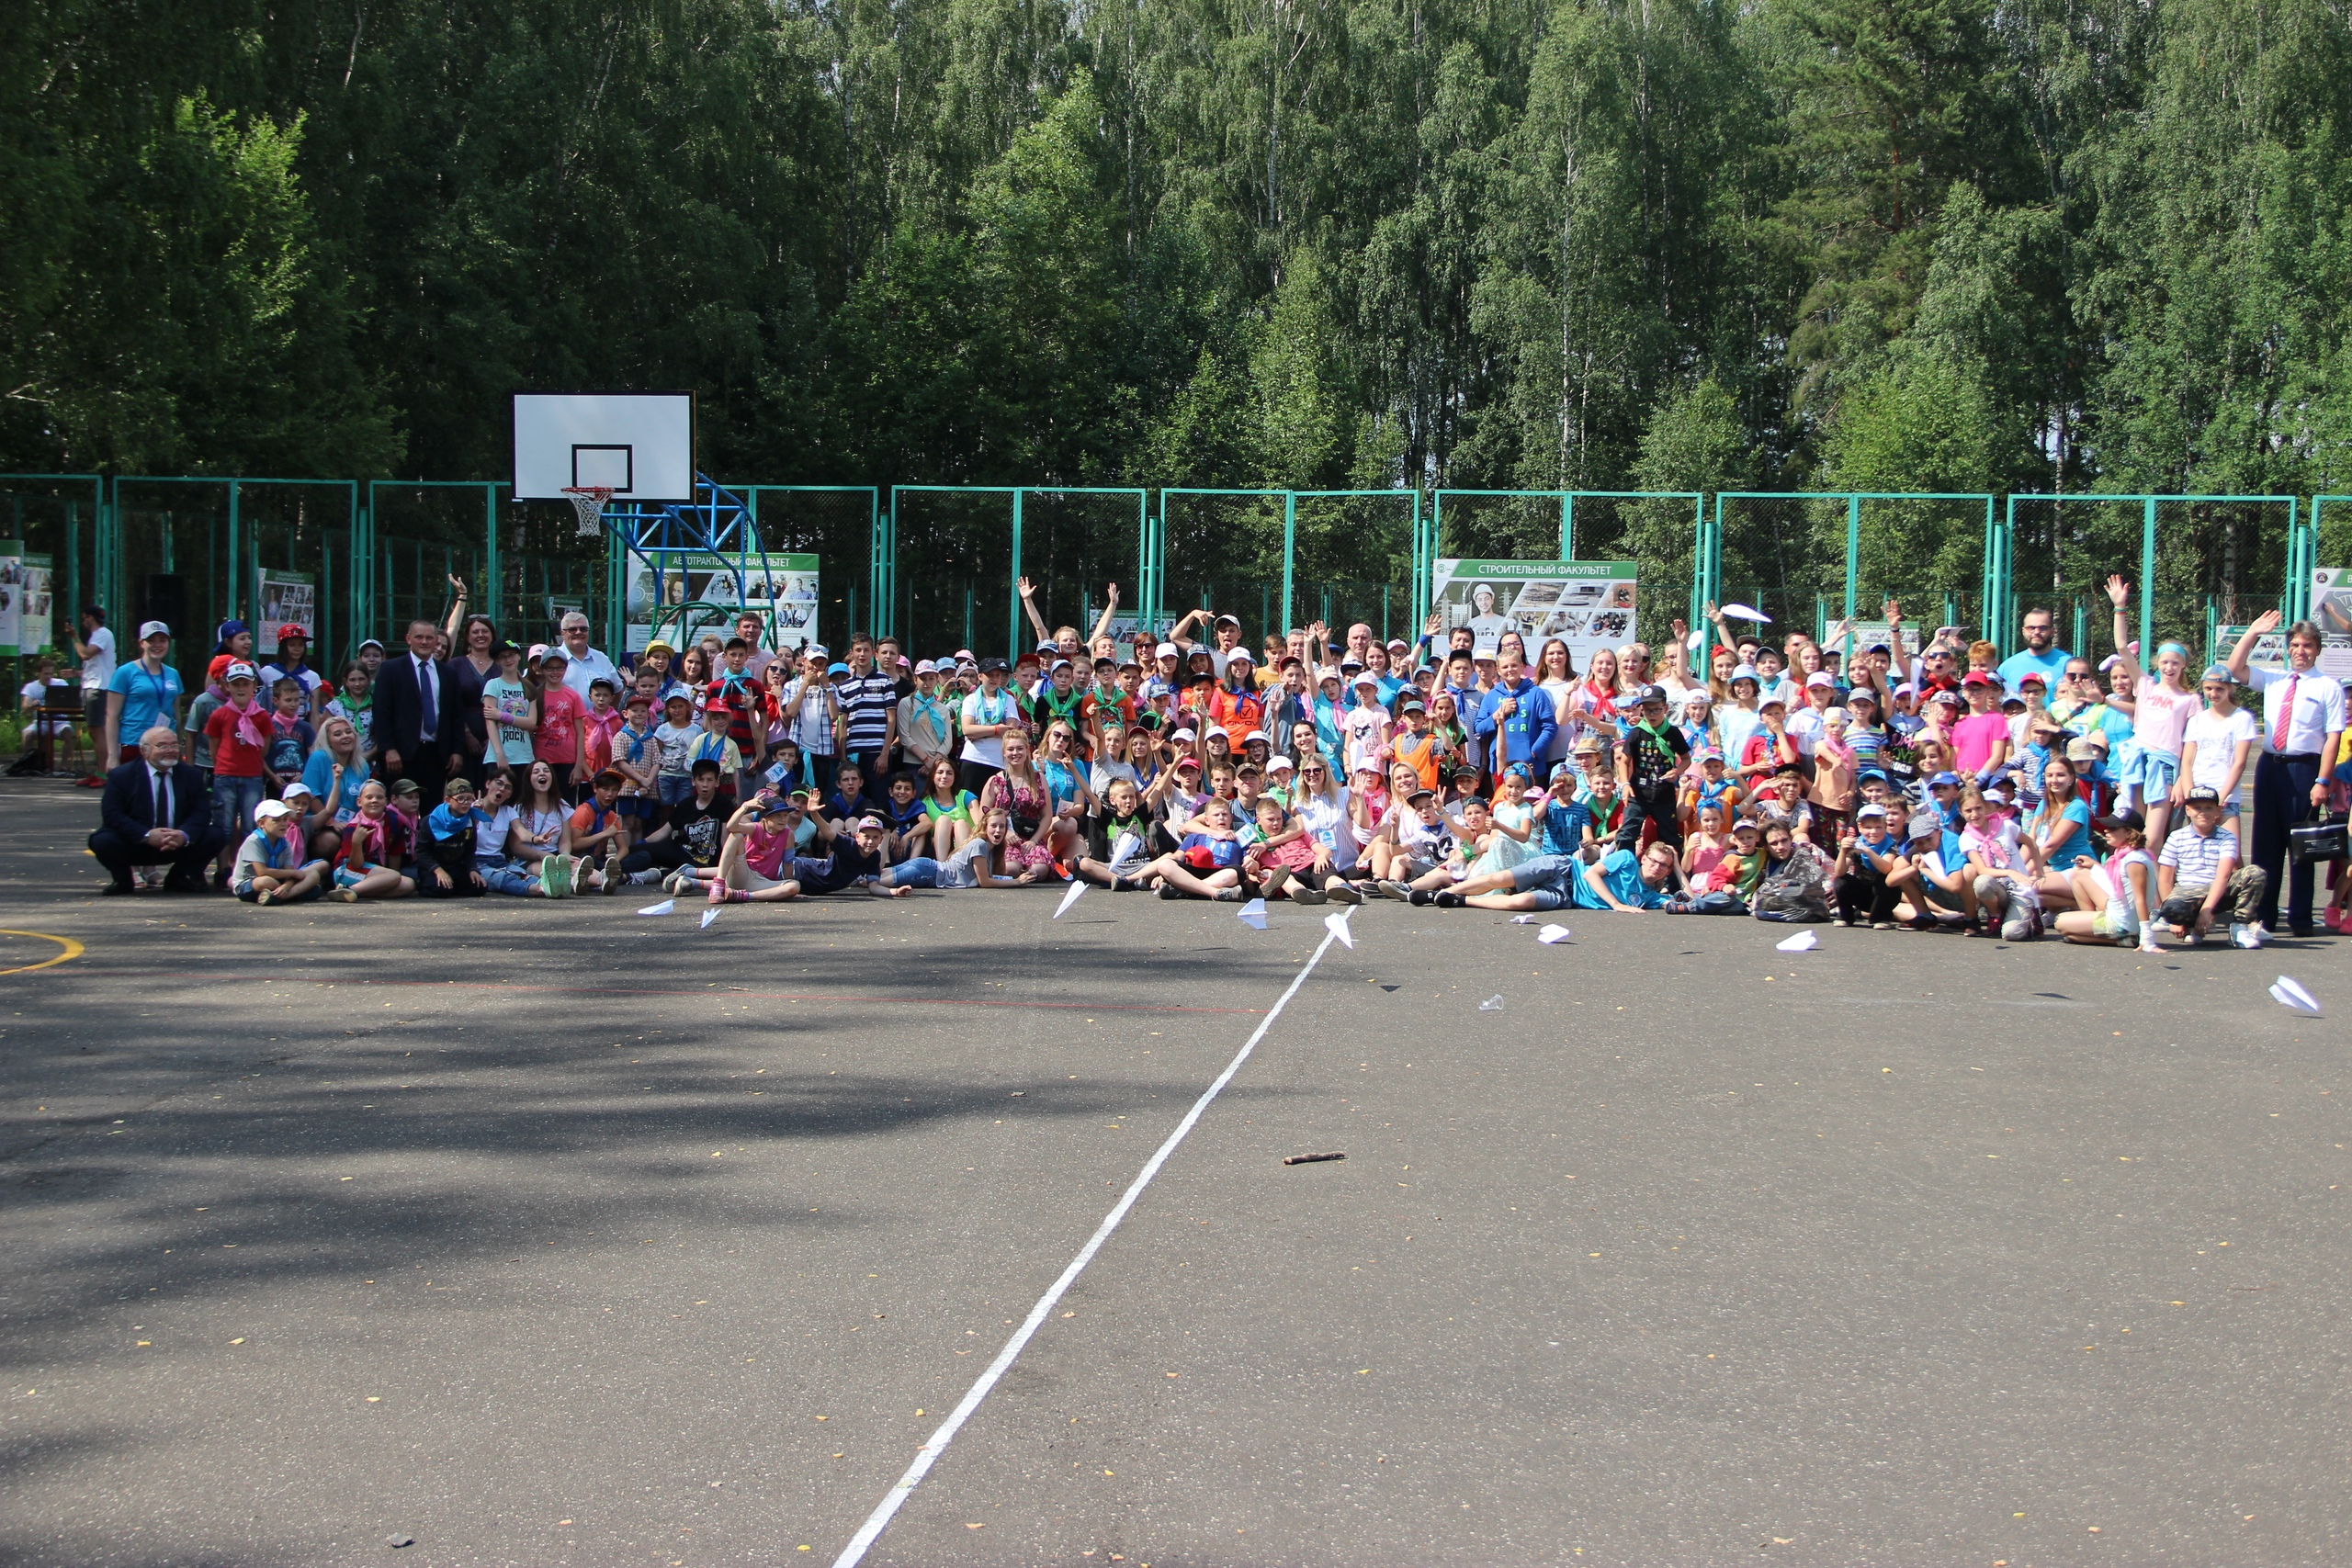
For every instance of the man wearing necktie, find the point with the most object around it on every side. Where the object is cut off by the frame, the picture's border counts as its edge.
(156, 811)
(421, 735)
(2303, 732)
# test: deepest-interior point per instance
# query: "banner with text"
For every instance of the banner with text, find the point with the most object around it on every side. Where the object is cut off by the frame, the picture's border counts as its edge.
(1587, 604)
(688, 593)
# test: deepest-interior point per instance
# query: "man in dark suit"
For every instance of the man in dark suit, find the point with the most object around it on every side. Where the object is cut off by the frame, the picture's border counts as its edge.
(420, 730)
(156, 811)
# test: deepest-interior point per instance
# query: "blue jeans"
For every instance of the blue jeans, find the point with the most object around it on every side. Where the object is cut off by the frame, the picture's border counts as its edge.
(920, 872)
(501, 875)
(674, 787)
(233, 799)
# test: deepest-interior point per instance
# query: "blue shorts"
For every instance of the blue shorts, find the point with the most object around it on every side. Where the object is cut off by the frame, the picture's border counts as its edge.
(2148, 774)
(346, 877)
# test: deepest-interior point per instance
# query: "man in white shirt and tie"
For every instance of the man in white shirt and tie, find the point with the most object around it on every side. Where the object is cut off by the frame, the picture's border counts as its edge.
(2303, 731)
(420, 733)
(156, 811)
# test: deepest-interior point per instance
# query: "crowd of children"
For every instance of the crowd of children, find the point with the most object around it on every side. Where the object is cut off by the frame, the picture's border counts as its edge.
(1927, 789)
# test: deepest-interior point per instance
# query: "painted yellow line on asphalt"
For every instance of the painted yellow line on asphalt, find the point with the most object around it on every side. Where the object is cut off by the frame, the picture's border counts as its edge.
(72, 949)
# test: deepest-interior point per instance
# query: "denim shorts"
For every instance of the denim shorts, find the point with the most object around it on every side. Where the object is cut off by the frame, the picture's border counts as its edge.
(2149, 773)
(233, 799)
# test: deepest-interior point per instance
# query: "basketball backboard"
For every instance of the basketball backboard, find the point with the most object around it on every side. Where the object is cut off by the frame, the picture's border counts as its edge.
(639, 444)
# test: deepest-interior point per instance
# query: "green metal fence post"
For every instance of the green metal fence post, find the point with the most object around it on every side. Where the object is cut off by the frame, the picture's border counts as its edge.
(1853, 550)
(1290, 550)
(236, 565)
(1568, 526)
(1013, 633)
(2147, 580)
(493, 593)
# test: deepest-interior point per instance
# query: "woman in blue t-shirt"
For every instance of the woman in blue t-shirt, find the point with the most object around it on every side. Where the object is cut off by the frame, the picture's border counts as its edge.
(2062, 829)
(334, 772)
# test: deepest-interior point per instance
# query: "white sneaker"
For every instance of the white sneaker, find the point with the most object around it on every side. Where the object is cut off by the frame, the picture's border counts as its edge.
(2247, 937)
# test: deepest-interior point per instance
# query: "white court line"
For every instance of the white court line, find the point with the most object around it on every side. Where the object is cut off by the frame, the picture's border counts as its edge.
(928, 1453)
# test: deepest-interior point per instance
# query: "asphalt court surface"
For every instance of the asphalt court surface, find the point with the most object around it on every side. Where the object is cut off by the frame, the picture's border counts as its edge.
(552, 1235)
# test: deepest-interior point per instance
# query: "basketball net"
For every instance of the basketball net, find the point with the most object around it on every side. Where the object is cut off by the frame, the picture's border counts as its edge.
(588, 503)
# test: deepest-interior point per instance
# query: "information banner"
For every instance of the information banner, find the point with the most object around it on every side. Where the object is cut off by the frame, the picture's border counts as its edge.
(699, 590)
(1587, 604)
(36, 616)
(2331, 608)
(12, 584)
(284, 598)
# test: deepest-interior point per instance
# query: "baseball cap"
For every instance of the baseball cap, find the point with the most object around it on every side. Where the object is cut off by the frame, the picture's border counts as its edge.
(1652, 694)
(1950, 699)
(1772, 700)
(291, 628)
(371, 642)
(1049, 648)
(1980, 678)
(1745, 673)
(677, 697)
(992, 665)
(1278, 764)
(273, 808)
(1419, 793)
(2212, 672)
(555, 655)
(1942, 779)
(2204, 794)
(1906, 690)
(153, 628)
(2127, 817)
(2036, 678)
(1396, 642)
(1371, 681)
(1747, 825)
(293, 788)
(866, 823)
(1821, 678)
(1870, 811)
(925, 667)
(1415, 704)
(817, 650)
(1350, 662)
(241, 670)
(1466, 771)
(1484, 652)
(1185, 733)
(658, 646)
(1227, 621)
(1240, 656)
(1192, 762)
(2082, 749)
(837, 668)
(1167, 650)
(1925, 824)
(963, 655)
(539, 650)
(1058, 664)
(1862, 694)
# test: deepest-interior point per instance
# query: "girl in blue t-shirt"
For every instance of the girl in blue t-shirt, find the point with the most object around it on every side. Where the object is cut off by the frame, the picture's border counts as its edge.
(2061, 828)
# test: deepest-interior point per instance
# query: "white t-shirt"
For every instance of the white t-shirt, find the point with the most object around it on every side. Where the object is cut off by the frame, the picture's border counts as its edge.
(99, 669)
(981, 709)
(2216, 739)
(586, 668)
(35, 694)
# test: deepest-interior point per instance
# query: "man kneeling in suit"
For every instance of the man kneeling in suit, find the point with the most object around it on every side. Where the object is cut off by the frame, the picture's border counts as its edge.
(156, 811)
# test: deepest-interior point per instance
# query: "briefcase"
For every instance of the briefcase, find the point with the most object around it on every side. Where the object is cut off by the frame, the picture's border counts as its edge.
(2323, 837)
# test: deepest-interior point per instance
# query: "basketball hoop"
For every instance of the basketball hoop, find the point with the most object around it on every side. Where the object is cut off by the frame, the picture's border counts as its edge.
(588, 501)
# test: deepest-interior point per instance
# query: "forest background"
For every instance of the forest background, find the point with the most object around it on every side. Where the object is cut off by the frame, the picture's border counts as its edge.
(1848, 245)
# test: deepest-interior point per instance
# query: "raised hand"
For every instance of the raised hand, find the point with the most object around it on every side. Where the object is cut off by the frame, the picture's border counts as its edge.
(2265, 622)
(2118, 590)
(1028, 589)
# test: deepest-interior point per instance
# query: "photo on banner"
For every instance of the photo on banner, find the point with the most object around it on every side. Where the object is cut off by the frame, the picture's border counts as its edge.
(286, 598)
(2331, 608)
(27, 615)
(1587, 604)
(700, 591)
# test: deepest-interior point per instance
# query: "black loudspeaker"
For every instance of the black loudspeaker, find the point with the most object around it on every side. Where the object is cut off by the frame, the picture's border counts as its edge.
(166, 601)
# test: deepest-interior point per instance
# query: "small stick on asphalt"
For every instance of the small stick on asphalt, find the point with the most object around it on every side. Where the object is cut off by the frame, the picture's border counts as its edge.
(1311, 1159)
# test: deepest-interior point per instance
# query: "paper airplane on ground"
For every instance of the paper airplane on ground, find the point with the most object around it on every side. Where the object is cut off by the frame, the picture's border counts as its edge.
(707, 916)
(1337, 924)
(1252, 914)
(2291, 994)
(1068, 898)
(1804, 941)
(1551, 934)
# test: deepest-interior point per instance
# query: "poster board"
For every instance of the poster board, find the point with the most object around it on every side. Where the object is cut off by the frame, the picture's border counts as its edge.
(31, 617)
(692, 591)
(2331, 608)
(1587, 604)
(12, 582)
(284, 598)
